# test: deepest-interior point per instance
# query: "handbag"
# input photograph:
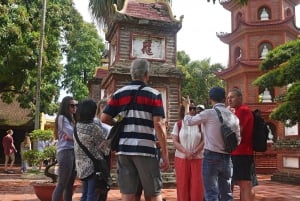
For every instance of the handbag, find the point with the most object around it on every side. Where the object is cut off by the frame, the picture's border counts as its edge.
(228, 135)
(117, 129)
(101, 169)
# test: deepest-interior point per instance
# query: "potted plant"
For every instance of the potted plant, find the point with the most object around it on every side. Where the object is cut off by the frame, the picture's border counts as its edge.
(43, 190)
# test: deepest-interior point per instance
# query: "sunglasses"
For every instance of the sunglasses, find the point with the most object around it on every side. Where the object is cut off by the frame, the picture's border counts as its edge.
(192, 108)
(73, 105)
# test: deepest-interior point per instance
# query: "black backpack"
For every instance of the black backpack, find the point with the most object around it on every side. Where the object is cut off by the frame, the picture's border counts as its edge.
(260, 132)
(229, 137)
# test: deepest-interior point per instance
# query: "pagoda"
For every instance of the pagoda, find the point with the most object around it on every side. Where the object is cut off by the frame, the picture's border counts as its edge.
(257, 28)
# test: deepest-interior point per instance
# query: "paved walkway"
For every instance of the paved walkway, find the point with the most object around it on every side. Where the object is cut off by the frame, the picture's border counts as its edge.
(15, 188)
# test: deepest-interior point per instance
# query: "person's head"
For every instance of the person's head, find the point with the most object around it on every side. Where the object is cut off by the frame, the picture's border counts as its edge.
(140, 70)
(192, 108)
(234, 97)
(200, 108)
(27, 139)
(100, 106)
(10, 132)
(217, 94)
(67, 108)
(86, 111)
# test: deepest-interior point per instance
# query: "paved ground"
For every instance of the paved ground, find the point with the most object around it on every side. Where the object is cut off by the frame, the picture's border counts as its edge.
(13, 187)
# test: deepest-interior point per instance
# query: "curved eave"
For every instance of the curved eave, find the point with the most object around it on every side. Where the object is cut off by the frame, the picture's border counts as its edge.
(153, 9)
(229, 4)
(240, 67)
(227, 37)
(120, 18)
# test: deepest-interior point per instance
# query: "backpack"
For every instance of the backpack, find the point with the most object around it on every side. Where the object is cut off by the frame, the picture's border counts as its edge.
(228, 135)
(260, 132)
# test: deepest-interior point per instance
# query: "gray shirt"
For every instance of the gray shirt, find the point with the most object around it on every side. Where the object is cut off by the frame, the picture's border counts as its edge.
(209, 120)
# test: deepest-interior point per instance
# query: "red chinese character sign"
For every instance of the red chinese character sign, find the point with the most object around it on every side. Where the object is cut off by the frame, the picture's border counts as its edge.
(149, 47)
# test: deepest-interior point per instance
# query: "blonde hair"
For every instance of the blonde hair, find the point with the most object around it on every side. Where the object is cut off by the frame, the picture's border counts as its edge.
(100, 106)
(10, 131)
(27, 140)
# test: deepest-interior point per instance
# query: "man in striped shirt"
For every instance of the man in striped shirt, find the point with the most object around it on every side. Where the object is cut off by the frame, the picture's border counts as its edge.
(137, 151)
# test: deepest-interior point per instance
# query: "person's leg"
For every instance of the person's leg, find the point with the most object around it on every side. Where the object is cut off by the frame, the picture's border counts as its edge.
(128, 179)
(182, 179)
(84, 190)
(12, 158)
(92, 194)
(65, 175)
(68, 192)
(210, 166)
(243, 170)
(196, 181)
(225, 178)
(6, 162)
(246, 190)
(149, 175)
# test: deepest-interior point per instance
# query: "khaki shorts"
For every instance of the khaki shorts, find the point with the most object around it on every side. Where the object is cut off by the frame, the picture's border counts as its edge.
(136, 171)
(10, 156)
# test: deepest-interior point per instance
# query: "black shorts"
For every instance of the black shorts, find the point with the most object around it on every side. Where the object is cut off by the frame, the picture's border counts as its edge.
(243, 167)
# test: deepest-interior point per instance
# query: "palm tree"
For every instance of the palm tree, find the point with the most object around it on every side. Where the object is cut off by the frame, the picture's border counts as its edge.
(103, 9)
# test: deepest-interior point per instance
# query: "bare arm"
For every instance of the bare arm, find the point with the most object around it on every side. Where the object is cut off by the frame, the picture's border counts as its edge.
(107, 119)
(161, 133)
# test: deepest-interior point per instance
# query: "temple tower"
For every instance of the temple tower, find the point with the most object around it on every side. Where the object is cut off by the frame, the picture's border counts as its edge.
(144, 29)
(256, 29)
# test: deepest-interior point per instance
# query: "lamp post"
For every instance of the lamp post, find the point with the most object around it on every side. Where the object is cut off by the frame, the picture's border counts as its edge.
(40, 63)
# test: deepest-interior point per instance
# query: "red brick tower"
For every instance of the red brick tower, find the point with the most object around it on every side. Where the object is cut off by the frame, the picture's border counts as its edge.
(144, 29)
(257, 28)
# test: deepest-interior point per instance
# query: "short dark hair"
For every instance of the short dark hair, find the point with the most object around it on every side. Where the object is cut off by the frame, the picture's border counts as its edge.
(86, 110)
(217, 94)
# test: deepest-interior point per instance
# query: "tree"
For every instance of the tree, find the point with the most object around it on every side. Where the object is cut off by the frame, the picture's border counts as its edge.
(199, 77)
(282, 69)
(84, 49)
(19, 39)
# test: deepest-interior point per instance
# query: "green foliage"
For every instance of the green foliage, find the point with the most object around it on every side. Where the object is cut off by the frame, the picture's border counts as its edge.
(49, 152)
(282, 69)
(84, 49)
(33, 157)
(20, 23)
(19, 40)
(43, 135)
(199, 77)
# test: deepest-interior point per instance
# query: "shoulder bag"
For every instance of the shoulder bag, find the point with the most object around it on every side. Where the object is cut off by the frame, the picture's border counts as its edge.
(228, 135)
(101, 169)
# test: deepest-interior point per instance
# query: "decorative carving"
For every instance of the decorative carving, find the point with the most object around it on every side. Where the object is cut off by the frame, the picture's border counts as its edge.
(149, 47)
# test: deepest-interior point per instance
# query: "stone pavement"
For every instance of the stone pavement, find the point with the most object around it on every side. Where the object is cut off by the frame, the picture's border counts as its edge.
(14, 187)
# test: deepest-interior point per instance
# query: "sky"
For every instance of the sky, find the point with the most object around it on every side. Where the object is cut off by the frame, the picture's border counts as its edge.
(197, 37)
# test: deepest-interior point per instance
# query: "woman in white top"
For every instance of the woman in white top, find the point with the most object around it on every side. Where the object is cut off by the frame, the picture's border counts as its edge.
(188, 142)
